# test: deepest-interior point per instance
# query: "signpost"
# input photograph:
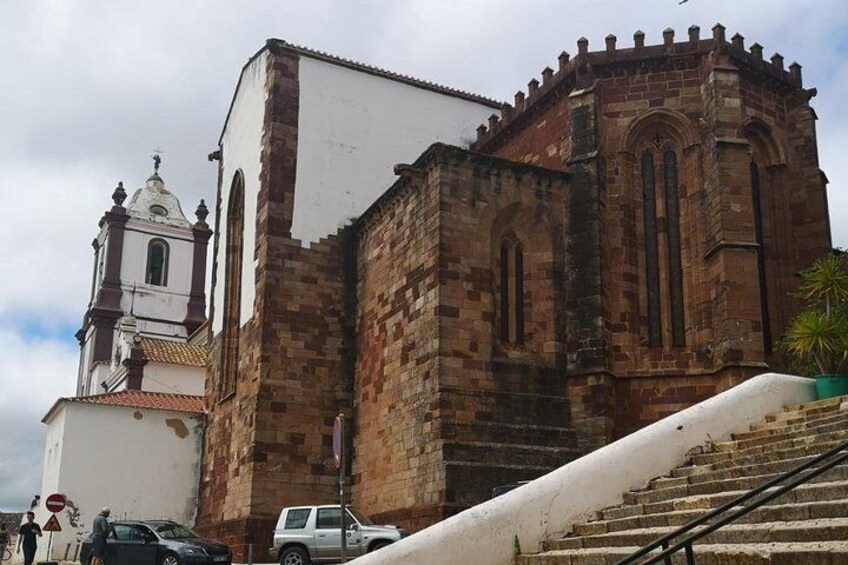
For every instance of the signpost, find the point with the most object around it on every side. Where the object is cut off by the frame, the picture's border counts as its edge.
(339, 460)
(54, 503)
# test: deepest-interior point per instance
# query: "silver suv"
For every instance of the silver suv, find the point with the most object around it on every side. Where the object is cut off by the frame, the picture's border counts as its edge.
(312, 534)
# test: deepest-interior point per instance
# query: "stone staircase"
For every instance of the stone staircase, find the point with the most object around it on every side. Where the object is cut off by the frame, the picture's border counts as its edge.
(808, 525)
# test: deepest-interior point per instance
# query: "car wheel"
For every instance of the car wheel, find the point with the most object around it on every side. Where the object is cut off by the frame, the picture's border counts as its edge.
(379, 545)
(294, 556)
(171, 559)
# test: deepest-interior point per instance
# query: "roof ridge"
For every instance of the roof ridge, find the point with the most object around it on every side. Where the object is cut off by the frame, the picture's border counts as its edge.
(146, 399)
(380, 71)
(128, 391)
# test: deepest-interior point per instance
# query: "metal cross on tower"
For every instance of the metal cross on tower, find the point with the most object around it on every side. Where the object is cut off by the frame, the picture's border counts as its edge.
(157, 159)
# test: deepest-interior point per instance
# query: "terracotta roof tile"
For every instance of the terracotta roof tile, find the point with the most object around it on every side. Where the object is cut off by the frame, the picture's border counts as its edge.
(173, 352)
(137, 399)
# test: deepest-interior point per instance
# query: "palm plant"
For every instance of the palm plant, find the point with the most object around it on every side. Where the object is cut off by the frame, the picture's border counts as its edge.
(820, 334)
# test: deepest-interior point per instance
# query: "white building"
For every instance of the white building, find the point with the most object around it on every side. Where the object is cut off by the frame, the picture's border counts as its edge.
(136, 452)
(132, 437)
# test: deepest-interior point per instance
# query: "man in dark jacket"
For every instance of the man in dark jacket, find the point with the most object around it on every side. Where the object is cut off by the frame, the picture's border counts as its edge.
(27, 538)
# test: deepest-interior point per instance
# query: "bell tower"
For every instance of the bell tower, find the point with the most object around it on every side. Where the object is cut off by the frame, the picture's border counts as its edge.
(148, 281)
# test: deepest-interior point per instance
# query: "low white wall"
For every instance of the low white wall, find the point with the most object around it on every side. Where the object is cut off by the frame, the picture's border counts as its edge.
(142, 463)
(550, 505)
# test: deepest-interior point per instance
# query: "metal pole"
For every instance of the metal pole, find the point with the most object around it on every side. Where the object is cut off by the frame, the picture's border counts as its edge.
(250, 554)
(49, 545)
(341, 486)
(67, 551)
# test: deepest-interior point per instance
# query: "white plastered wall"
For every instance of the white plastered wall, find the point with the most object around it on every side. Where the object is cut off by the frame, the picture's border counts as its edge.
(353, 127)
(241, 146)
(176, 379)
(142, 463)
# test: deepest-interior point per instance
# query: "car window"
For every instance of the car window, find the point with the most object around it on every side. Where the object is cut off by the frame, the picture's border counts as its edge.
(296, 518)
(175, 531)
(329, 518)
(122, 531)
(140, 533)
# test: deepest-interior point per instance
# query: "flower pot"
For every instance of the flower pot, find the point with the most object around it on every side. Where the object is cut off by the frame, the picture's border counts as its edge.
(830, 386)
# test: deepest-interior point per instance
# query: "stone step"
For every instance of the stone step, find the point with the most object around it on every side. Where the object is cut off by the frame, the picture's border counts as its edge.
(835, 401)
(824, 529)
(839, 473)
(677, 518)
(707, 473)
(780, 428)
(774, 456)
(808, 525)
(804, 553)
(819, 426)
(795, 417)
(786, 449)
(811, 492)
(547, 436)
(692, 471)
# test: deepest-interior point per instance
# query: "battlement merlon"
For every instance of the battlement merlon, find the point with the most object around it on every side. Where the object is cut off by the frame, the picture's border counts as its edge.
(577, 72)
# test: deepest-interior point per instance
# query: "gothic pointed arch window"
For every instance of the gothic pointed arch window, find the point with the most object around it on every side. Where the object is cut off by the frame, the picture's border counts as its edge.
(768, 182)
(659, 160)
(157, 263)
(511, 291)
(757, 200)
(232, 287)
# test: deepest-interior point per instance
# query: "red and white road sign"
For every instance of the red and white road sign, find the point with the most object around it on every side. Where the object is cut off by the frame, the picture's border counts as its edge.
(52, 525)
(55, 502)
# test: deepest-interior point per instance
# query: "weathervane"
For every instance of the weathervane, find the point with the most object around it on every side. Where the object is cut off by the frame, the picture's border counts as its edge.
(157, 159)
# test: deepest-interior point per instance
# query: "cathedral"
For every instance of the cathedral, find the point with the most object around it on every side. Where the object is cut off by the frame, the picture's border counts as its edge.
(489, 290)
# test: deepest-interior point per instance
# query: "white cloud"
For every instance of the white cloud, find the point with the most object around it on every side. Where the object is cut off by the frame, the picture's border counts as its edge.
(33, 373)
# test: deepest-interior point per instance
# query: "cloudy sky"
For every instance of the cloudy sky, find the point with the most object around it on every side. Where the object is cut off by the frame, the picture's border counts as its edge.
(88, 89)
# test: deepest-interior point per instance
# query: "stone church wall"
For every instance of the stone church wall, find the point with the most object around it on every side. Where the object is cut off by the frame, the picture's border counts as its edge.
(719, 108)
(397, 455)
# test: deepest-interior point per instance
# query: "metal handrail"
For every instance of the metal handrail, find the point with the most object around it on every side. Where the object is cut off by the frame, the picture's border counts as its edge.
(686, 544)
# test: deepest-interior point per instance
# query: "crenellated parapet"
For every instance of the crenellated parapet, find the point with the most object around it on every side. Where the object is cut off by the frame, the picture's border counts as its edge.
(582, 70)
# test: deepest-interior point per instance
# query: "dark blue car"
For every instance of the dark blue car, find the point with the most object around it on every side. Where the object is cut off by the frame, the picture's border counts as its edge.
(157, 543)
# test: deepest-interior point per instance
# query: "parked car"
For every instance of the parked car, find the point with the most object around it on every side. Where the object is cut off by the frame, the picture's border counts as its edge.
(157, 543)
(312, 534)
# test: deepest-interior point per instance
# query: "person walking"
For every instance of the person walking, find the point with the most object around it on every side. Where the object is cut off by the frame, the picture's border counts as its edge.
(4, 541)
(99, 531)
(27, 538)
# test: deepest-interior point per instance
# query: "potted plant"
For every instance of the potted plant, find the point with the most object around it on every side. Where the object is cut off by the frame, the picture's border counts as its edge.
(820, 334)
